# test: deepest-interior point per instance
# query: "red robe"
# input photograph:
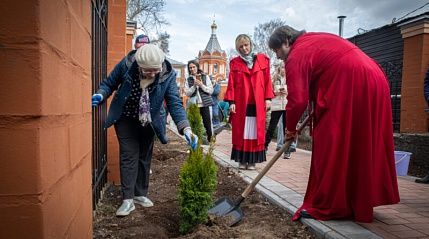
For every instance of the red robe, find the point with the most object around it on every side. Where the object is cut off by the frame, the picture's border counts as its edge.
(241, 83)
(352, 166)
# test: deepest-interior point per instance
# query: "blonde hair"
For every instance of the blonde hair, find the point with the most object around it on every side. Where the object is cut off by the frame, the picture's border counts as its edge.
(277, 74)
(240, 38)
(279, 69)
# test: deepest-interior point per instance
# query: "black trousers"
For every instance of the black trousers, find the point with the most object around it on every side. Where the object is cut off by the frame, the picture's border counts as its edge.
(135, 150)
(275, 116)
(207, 120)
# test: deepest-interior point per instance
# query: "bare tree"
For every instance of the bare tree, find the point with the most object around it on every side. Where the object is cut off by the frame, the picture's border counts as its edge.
(230, 54)
(148, 13)
(262, 35)
(163, 42)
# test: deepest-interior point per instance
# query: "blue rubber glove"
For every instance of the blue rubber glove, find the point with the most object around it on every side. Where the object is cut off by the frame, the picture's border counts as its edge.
(96, 99)
(191, 138)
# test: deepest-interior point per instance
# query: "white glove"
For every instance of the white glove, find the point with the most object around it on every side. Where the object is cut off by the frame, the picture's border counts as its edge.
(191, 138)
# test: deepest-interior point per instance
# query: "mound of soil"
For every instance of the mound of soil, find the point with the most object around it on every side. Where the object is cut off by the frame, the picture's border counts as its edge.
(262, 219)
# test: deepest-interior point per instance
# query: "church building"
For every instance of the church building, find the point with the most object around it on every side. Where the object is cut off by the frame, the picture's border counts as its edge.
(213, 59)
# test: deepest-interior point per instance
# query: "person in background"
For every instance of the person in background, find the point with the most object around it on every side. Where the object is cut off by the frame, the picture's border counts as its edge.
(215, 95)
(426, 86)
(141, 82)
(200, 86)
(249, 94)
(267, 120)
(140, 41)
(281, 137)
(353, 165)
(425, 179)
(224, 106)
(278, 106)
(280, 128)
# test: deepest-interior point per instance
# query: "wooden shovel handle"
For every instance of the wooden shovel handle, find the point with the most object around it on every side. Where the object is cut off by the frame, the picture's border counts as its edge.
(274, 159)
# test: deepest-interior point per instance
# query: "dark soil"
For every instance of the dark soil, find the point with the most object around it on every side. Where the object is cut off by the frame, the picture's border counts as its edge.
(262, 219)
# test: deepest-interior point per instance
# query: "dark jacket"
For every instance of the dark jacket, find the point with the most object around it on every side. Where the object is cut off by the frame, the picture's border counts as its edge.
(164, 86)
(205, 97)
(426, 86)
(215, 94)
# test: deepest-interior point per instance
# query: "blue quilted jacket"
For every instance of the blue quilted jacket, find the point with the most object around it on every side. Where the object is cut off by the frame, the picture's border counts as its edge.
(164, 87)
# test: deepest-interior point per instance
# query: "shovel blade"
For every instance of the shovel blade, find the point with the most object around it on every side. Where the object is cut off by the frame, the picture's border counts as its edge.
(222, 207)
(227, 207)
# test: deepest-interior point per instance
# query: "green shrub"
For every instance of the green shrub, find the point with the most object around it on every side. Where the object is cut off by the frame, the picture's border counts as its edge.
(197, 181)
(196, 122)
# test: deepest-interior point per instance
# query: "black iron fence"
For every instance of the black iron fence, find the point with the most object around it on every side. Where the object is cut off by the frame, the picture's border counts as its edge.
(395, 96)
(98, 71)
(393, 71)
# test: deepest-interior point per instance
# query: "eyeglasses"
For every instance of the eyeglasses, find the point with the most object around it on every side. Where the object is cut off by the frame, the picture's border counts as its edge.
(149, 72)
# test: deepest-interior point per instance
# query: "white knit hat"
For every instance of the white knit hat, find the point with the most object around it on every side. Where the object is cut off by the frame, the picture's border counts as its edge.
(149, 56)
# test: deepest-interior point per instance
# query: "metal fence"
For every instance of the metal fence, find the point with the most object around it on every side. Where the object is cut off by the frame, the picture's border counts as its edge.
(393, 71)
(99, 69)
(386, 46)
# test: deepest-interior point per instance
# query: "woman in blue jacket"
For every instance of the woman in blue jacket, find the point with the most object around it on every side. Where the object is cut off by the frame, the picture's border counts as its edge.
(142, 82)
(425, 179)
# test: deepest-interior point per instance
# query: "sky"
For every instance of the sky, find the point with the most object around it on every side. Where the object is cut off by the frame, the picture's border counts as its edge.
(191, 20)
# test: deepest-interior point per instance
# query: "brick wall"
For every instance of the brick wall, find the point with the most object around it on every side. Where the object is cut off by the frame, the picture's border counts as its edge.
(45, 117)
(415, 62)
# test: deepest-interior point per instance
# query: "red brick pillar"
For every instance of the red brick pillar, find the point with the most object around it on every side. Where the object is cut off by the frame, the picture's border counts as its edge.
(416, 59)
(131, 31)
(45, 119)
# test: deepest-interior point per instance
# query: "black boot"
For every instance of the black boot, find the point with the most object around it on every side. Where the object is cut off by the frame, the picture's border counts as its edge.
(303, 213)
(423, 180)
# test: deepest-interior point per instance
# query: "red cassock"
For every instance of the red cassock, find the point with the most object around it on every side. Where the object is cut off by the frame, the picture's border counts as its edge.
(352, 165)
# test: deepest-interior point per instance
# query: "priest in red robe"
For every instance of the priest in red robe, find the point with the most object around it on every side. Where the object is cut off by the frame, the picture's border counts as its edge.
(352, 166)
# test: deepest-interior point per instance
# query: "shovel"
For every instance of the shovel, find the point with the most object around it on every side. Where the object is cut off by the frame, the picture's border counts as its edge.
(227, 207)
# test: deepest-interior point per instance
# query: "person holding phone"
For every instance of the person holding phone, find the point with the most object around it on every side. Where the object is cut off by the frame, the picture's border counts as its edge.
(278, 106)
(200, 86)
